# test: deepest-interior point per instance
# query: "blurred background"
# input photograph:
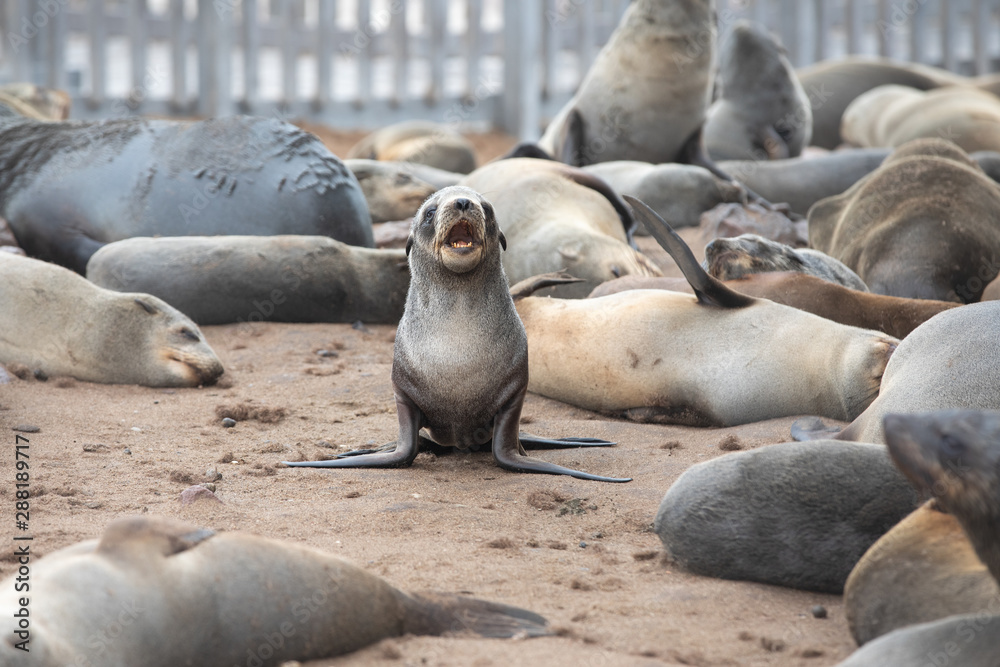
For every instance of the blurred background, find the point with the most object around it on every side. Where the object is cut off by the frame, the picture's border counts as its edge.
(361, 64)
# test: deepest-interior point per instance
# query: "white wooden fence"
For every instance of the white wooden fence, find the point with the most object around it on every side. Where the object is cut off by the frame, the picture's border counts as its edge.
(365, 63)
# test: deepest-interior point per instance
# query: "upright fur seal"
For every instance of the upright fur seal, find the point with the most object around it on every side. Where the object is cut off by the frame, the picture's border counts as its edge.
(761, 109)
(926, 224)
(418, 141)
(157, 592)
(747, 254)
(950, 361)
(60, 323)
(460, 361)
(955, 455)
(793, 514)
(224, 279)
(646, 94)
(717, 359)
(557, 217)
(68, 188)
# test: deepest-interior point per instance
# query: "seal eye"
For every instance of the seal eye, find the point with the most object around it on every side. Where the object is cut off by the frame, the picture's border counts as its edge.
(615, 271)
(190, 335)
(429, 214)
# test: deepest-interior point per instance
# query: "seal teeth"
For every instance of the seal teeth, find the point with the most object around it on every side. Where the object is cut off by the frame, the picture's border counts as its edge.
(460, 235)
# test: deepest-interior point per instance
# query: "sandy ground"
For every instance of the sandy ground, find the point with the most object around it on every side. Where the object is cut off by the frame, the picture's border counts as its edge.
(581, 553)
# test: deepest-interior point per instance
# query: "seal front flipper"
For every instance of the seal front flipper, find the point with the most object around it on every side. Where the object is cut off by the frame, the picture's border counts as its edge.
(530, 441)
(509, 454)
(709, 291)
(401, 456)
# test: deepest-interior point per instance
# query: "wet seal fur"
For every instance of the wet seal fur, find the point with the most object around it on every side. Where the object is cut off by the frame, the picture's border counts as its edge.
(762, 110)
(747, 254)
(182, 595)
(226, 279)
(926, 224)
(950, 361)
(421, 142)
(718, 359)
(59, 323)
(792, 514)
(67, 188)
(557, 217)
(955, 455)
(889, 314)
(460, 360)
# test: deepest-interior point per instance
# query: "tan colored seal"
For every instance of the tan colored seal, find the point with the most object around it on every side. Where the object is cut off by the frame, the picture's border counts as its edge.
(157, 592)
(717, 359)
(35, 102)
(419, 141)
(557, 217)
(59, 323)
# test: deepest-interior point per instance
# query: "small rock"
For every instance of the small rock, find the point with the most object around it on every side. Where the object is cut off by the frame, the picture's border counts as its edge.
(819, 611)
(212, 475)
(228, 422)
(127, 451)
(583, 545)
(41, 375)
(27, 428)
(360, 326)
(209, 486)
(196, 493)
(95, 448)
(95, 505)
(327, 353)
(598, 535)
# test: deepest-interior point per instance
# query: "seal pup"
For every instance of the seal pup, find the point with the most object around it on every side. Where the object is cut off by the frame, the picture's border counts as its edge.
(647, 91)
(418, 141)
(170, 593)
(460, 361)
(225, 279)
(922, 570)
(793, 514)
(717, 359)
(954, 455)
(761, 110)
(557, 217)
(747, 254)
(58, 322)
(67, 188)
(926, 224)
(889, 314)
(950, 361)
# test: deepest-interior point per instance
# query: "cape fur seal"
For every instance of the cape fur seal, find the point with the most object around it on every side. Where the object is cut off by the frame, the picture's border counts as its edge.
(557, 217)
(224, 279)
(418, 141)
(157, 592)
(761, 110)
(926, 224)
(67, 188)
(392, 191)
(953, 454)
(460, 360)
(793, 514)
(636, 354)
(647, 91)
(889, 314)
(58, 322)
(747, 254)
(950, 361)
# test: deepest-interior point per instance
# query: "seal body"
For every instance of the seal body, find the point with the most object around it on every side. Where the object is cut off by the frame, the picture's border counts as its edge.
(60, 323)
(556, 217)
(926, 224)
(647, 91)
(747, 254)
(67, 188)
(226, 279)
(792, 514)
(421, 142)
(172, 594)
(761, 112)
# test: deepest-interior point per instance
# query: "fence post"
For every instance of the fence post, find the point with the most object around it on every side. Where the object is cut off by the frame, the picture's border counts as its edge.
(520, 108)
(215, 95)
(56, 56)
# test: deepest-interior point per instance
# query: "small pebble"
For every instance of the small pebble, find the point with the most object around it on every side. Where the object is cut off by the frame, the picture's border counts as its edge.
(208, 485)
(228, 422)
(196, 493)
(819, 611)
(213, 475)
(598, 535)
(583, 545)
(94, 448)
(27, 428)
(41, 375)
(128, 451)
(360, 326)
(327, 353)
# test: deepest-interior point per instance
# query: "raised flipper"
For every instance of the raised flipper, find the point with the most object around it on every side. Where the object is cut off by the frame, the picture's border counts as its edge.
(400, 456)
(529, 286)
(529, 441)
(509, 454)
(709, 291)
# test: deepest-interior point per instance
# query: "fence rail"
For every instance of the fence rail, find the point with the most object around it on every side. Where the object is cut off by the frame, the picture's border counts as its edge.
(365, 63)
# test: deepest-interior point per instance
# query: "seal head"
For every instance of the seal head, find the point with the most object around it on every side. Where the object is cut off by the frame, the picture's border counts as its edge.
(454, 228)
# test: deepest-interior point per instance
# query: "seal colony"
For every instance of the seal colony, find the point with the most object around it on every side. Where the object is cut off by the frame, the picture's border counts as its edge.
(460, 360)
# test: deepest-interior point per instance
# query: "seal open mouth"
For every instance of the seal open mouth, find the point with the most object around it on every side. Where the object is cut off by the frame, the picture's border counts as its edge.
(460, 236)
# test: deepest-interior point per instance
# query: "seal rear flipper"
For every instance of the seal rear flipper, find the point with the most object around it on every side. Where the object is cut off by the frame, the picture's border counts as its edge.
(438, 613)
(813, 428)
(709, 291)
(529, 441)
(529, 286)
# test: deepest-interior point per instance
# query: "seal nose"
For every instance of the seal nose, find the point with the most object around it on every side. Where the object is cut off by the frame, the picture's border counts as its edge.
(463, 204)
